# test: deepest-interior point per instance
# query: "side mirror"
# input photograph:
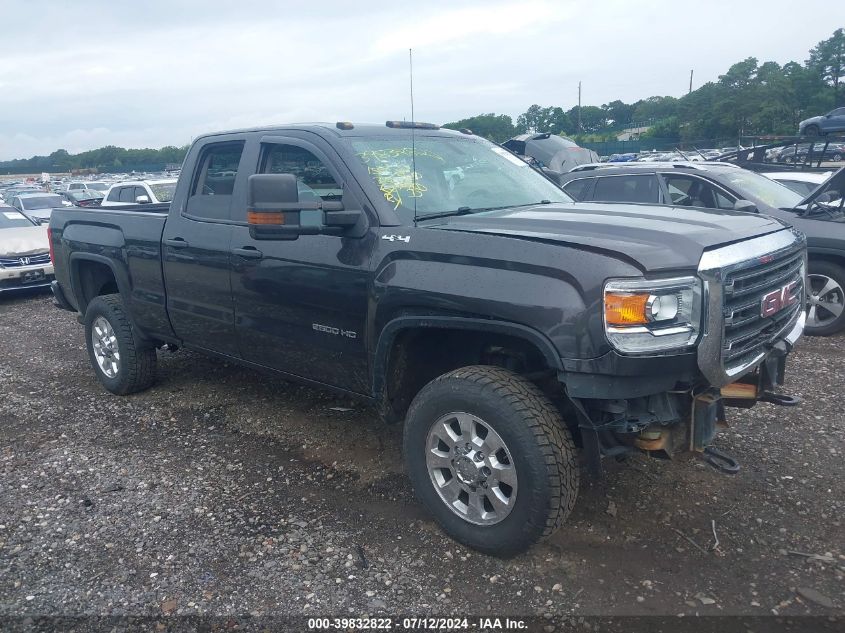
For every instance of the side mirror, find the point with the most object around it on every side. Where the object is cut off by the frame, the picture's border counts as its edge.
(142, 199)
(745, 205)
(274, 210)
(273, 207)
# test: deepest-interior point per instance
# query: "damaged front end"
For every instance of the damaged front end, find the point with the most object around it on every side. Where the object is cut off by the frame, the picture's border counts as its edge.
(752, 316)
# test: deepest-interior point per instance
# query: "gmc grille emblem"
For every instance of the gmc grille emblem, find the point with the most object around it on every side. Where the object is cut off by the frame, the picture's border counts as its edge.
(24, 261)
(777, 300)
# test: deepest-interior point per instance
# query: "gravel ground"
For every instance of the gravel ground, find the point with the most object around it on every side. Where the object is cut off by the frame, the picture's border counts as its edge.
(225, 491)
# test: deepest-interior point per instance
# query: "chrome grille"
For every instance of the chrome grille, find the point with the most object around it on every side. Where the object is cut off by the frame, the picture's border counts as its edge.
(737, 331)
(747, 331)
(18, 262)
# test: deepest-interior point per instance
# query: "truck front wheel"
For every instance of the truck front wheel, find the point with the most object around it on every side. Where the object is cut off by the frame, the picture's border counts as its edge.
(491, 459)
(123, 365)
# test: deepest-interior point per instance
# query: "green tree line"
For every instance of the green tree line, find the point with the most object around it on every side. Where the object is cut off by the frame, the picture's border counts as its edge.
(104, 159)
(750, 99)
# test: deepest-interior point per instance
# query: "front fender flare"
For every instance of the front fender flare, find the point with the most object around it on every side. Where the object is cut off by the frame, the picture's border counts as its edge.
(393, 328)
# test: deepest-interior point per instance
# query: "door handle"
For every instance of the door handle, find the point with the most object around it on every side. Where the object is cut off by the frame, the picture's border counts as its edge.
(176, 242)
(248, 252)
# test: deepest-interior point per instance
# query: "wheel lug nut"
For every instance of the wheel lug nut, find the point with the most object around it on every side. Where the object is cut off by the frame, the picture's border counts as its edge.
(479, 457)
(485, 471)
(468, 446)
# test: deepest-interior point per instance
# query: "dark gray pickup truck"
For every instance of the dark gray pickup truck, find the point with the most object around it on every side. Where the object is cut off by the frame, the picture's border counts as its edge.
(442, 278)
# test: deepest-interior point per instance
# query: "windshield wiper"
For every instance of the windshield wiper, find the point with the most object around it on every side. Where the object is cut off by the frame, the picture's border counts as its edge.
(471, 210)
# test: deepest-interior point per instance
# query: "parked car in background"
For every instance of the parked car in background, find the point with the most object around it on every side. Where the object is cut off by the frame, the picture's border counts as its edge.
(833, 121)
(801, 182)
(39, 206)
(102, 187)
(800, 153)
(24, 252)
(553, 154)
(83, 197)
(140, 192)
(729, 187)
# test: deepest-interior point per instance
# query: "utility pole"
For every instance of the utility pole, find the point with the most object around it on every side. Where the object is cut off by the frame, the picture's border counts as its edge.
(579, 106)
(690, 81)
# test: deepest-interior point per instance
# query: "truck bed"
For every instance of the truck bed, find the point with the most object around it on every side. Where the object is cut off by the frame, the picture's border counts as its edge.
(127, 240)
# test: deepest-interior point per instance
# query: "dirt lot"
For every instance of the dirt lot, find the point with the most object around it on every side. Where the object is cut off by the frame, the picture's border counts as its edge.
(226, 491)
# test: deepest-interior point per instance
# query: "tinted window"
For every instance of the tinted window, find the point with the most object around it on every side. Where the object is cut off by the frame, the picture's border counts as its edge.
(578, 189)
(838, 112)
(639, 188)
(314, 181)
(214, 181)
(113, 195)
(140, 191)
(689, 191)
(127, 194)
(217, 170)
(313, 178)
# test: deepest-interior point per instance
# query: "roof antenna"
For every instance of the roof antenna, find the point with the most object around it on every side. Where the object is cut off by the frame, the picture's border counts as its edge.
(413, 145)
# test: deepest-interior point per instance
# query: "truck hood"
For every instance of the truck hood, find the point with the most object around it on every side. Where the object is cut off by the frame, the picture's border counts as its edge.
(26, 240)
(653, 237)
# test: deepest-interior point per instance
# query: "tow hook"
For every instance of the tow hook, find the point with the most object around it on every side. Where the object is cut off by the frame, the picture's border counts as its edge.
(720, 461)
(780, 399)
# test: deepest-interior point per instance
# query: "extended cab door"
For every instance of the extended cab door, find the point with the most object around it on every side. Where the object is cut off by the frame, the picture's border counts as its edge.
(195, 248)
(301, 305)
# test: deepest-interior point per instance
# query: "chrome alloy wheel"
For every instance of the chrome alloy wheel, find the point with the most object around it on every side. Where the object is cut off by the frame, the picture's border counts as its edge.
(105, 347)
(827, 300)
(471, 468)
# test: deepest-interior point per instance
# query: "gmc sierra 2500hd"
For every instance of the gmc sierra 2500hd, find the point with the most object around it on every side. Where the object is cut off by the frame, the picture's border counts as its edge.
(444, 279)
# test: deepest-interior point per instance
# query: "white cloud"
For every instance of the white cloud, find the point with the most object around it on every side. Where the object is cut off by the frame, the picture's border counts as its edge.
(161, 74)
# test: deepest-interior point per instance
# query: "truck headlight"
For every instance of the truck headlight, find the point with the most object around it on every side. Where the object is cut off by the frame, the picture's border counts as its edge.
(642, 316)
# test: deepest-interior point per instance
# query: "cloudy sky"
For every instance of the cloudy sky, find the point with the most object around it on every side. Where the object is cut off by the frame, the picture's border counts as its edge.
(147, 73)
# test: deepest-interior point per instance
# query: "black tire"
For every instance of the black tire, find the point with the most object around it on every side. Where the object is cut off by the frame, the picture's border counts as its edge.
(541, 448)
(837, 274)
(812, 130)
(137, 362)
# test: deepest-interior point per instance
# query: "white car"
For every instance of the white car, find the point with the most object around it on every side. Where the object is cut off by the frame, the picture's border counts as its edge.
(803, 183)
(102, 187)
(24, 252)
(140, 192)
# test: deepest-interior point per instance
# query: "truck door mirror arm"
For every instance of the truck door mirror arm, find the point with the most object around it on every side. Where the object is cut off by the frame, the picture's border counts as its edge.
(274, 209)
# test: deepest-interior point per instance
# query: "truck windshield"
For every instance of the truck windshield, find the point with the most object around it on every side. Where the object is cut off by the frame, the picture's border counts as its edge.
(452, 175)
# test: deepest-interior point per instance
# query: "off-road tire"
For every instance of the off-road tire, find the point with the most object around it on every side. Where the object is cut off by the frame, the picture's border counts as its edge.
(137, 358)
(541, 446)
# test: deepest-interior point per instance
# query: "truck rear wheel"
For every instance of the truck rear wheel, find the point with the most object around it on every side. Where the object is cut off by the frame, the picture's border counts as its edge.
(491, 459)
(123, 365)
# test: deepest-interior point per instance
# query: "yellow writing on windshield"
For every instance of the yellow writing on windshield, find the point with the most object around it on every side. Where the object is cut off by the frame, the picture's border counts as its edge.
(392, 170)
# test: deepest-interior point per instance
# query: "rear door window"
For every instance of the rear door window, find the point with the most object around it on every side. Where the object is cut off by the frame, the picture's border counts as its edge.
(214, 181)
(629, 188)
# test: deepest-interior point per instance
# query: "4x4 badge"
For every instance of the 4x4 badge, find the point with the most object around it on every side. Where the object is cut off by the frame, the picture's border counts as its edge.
(397, 238)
